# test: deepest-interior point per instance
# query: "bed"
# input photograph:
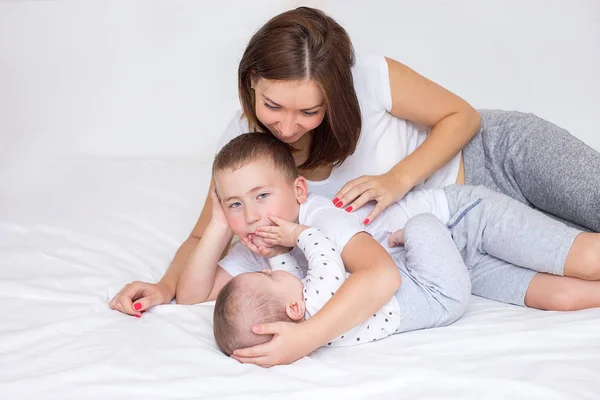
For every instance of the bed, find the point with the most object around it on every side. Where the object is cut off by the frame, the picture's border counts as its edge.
(73, 231)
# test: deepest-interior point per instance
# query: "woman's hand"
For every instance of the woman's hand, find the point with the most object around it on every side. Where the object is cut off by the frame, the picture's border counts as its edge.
(284, 233)
(384, 189)
(291, 341)
(136, 297)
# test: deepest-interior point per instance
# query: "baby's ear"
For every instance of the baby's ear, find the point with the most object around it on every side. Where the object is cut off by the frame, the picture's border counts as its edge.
(295, 310)
(301, 188)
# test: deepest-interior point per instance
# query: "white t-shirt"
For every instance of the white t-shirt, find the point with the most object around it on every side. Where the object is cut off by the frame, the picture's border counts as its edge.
(384, 139)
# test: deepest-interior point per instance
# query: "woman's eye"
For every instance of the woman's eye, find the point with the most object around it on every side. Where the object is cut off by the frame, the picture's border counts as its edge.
(270, 107)
(235, 205)
(263, 195)
(310, 113)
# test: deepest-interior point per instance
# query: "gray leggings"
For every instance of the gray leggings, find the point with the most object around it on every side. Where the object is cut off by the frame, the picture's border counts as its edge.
(537, 163)
(503, 242)
(436, 286)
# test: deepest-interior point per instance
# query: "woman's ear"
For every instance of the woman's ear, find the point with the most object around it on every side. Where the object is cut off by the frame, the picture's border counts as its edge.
(301, 188)
(253, 79)
(295, 310)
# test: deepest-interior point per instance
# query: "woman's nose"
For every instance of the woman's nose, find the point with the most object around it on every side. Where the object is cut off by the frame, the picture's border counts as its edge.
(288, 126)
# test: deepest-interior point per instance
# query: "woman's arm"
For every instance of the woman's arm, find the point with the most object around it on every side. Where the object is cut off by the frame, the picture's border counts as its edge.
(373, 281)
(150, 294)
(201, 278)
(171, 277)
(453, 122)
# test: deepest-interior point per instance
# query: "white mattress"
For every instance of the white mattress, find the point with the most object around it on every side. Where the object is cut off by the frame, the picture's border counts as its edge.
(73, 232)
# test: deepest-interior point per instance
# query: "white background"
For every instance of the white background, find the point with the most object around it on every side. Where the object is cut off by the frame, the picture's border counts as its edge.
(157, 78)
(109, 113)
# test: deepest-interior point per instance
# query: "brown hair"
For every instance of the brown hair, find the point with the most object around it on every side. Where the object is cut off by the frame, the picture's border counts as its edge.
(237, 308)
(254, 146)
(301, 44)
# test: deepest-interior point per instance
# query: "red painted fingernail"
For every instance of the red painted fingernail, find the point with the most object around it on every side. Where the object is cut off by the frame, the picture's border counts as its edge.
(137, 306)
(349, 208)
(143, 311)
(338, 204)
(137, 315)
(335, 200)
(366, 221)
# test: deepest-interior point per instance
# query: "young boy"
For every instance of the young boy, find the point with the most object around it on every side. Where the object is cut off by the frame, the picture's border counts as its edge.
(496, 235)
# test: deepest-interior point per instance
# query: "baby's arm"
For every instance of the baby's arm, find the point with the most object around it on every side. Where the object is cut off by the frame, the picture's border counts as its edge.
(317, 248)
(286, 262)
(326, 271)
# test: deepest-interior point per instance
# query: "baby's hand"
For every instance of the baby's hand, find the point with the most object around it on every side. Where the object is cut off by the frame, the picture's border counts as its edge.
(264, 251)
(283, 234)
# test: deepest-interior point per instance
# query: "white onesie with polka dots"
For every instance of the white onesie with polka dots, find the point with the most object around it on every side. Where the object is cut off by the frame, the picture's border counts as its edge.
(325, 275)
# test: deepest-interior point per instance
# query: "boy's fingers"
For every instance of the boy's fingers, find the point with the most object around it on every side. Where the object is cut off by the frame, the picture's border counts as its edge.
(264, 251)
(260, 361)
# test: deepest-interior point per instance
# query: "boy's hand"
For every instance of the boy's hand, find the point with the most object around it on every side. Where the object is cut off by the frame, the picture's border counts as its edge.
(217, 216)
(283, 234)
(264, 251)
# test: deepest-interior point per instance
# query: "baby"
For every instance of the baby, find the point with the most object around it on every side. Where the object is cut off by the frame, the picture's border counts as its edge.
(512, 253)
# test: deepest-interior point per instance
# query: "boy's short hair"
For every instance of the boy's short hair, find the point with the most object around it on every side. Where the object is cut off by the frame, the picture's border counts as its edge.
(253, 146)
(238, 307)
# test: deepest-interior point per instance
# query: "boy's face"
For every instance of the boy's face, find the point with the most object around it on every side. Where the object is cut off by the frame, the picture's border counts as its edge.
(250, 193)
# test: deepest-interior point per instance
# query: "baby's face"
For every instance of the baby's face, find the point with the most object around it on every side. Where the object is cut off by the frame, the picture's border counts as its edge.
(250, 193)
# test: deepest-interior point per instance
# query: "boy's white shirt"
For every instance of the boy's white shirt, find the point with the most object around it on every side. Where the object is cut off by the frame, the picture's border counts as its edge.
(319, 261)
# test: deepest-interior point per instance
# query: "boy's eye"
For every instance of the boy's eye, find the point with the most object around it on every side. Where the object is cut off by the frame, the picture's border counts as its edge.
(270, 107)
(263, 195)
(235, 205)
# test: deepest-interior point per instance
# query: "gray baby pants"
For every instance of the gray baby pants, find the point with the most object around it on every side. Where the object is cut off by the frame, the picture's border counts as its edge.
(436, 286)
(537, 163)
(503, 242)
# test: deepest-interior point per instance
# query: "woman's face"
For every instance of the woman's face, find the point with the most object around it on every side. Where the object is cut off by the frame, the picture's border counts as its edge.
(289, 109)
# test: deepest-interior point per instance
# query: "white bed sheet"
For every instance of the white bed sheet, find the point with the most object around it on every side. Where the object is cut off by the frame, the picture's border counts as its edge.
(73, 232)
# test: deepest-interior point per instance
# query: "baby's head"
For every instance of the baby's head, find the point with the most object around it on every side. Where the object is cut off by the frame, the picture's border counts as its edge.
(255, 175)
(255, 298)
